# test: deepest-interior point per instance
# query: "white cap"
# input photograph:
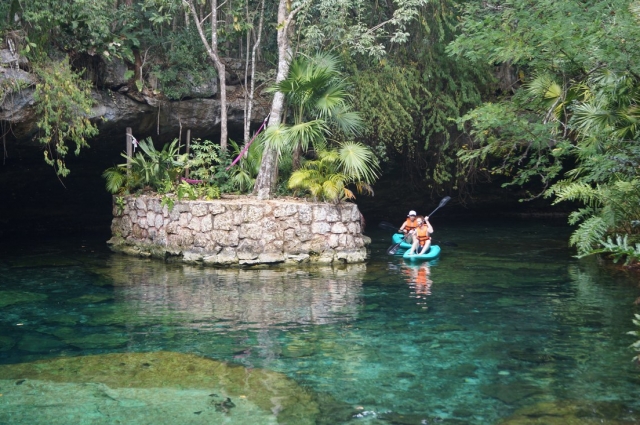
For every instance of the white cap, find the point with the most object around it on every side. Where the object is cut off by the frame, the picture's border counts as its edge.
(412, 212)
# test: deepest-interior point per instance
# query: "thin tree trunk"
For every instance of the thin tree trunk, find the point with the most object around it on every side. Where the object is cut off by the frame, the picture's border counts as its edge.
(249, 95)
(267, 176)
(212, 50)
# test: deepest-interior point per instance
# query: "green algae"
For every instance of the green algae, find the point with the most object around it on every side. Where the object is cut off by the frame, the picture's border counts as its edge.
(571, 412)
(269, 391)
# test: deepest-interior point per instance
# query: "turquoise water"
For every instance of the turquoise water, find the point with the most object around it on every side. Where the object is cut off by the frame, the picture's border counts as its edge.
(506, 320)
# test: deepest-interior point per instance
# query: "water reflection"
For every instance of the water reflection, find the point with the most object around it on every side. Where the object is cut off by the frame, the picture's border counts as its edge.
(241, 298)
(418, 276)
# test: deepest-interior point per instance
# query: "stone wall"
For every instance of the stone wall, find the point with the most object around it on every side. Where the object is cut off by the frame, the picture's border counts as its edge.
(239, 231)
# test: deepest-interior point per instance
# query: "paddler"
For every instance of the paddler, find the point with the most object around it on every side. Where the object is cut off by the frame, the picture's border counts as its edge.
(409, 226)
(422, 236)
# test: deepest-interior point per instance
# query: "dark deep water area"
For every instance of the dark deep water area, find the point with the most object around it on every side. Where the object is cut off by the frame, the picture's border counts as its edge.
(35, 203)
(505, 328)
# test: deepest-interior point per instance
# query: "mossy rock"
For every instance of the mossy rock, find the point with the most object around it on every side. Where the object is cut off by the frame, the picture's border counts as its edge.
(167, 371)
(570, 412)
(62, 319)
(39, 343)
(511, 392)
(19, 297)
(91, 341)
(90, 299)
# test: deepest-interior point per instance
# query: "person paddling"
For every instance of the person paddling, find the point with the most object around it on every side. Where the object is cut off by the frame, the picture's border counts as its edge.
(409, 226)
(422, 236)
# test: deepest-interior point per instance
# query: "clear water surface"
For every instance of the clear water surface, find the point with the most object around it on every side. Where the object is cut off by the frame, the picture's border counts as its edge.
(506, 327)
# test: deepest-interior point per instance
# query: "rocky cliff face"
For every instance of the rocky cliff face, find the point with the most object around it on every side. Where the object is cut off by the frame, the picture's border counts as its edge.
(119, 106)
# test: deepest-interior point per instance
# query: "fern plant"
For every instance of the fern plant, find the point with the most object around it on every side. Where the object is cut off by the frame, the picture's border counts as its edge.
(620, 249)
(636, 345)
(609, 209)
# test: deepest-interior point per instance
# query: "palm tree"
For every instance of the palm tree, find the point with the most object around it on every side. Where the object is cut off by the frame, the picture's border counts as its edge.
(317, 97)
(327, 177)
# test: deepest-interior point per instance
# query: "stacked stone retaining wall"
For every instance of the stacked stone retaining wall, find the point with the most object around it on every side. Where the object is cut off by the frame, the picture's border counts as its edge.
(239, 231)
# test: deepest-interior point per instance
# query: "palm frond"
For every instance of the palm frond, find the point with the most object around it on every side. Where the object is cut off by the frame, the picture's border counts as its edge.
(275, 137)
(358, 162)
(348, 121)
(593, 117)
(115, 179)
(305, 134)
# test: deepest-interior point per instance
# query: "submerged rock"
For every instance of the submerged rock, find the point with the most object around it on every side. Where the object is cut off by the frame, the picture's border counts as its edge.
(19, 297)
(91, 341)
(90, 299)
(161, 387)
(6, 343)
(511, 392)
(571, 412)
(39, 343)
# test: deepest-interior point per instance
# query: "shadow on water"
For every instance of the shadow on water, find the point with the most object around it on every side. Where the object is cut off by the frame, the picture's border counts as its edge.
(505, 328)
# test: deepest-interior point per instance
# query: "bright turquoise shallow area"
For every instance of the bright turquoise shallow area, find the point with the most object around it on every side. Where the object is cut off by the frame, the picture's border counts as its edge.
(505, 319)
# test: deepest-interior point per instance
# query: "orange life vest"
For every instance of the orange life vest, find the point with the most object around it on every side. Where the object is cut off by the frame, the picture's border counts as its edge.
(410, 225)
(423, 234)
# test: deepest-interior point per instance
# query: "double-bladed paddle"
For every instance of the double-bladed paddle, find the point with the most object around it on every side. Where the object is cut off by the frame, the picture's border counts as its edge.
(394, 248)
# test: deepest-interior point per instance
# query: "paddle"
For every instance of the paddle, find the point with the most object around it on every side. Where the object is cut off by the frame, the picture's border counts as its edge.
(394, 248)
(387, 226)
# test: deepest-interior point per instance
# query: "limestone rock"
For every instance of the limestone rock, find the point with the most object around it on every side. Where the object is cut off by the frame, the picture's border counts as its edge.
(240, 230)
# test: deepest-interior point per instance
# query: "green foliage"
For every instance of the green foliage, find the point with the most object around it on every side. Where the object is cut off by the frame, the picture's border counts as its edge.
(620, 249)
(327, 177)
(611, 208)
(197, 191)
(358, 26)
(149, 168)
(636, 345)
(411, 99)
(116, 179)
(242, 176)
(186, 190)
(185, 64)
(79, 26)
(120, 203)
(167, 201)
(507, 141)
(160, 171)
(318, 98)
(157, 168)
(63, 103)
(209, 163)
(578, 106)
(205, 156)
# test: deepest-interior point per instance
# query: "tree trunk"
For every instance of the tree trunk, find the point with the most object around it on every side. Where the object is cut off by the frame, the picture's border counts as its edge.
(212, 51)
(267, 176)
(248, 106)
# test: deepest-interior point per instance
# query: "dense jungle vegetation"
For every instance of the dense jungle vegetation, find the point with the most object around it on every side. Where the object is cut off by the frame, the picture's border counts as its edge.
(537, 94)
